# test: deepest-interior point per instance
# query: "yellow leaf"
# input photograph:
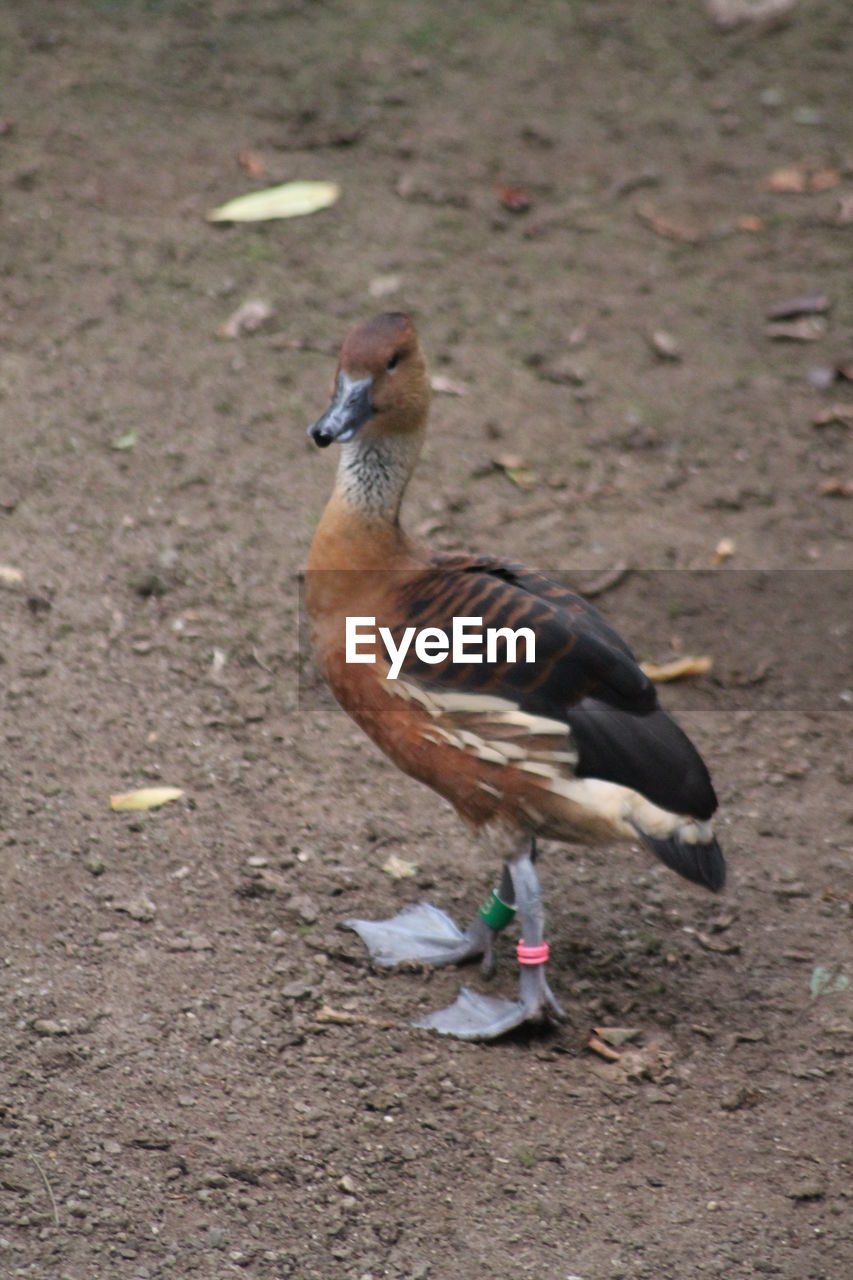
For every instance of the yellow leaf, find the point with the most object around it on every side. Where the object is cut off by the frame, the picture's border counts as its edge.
(291, 200)
(723, 551)
(399, 868)
(516, 470)
(146, 798)
(678, 669)
(10, 576)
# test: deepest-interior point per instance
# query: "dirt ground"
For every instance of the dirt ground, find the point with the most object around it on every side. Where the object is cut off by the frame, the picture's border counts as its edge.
(176, 1098)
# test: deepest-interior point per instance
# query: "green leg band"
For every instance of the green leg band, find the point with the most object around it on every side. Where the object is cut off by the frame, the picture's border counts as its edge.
(495, 912)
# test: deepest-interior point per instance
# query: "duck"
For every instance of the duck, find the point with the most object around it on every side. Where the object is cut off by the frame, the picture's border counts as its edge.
(572, 746)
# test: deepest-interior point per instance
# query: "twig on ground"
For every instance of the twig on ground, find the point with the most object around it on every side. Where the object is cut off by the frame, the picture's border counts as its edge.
(47, 1188)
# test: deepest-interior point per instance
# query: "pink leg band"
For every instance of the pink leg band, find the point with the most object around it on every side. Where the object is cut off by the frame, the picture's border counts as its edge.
(532, 955)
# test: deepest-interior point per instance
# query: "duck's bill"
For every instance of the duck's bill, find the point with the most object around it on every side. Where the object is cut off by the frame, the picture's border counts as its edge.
(349, 411)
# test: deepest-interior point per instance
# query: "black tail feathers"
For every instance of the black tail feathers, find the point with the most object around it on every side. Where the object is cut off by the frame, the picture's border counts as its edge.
(700, 861)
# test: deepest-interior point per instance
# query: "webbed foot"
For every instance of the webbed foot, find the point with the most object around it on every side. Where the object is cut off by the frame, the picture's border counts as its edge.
(424, 934)
(476, 1017)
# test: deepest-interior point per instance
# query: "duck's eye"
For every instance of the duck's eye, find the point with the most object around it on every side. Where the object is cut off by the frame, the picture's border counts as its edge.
(394, 361)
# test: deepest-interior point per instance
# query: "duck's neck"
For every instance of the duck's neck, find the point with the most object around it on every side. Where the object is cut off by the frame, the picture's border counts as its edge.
(361, 522)
(373, 473)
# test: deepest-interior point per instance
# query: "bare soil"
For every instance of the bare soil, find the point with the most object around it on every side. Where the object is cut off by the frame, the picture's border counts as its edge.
(176, 1098)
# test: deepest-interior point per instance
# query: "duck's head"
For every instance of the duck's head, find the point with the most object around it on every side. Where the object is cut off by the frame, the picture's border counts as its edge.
(381, 388)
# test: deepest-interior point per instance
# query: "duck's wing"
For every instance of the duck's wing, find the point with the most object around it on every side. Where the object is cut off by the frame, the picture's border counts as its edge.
(584, 677)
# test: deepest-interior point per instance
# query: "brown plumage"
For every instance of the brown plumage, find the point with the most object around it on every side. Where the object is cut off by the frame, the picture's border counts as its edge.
(573, 746)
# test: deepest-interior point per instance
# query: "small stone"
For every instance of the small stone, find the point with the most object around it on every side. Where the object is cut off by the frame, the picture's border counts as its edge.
(216, 1238)
(141, 908)
(664, 345)
(346, 1184)
(808, 1189)
(302, 906)
(297, 991)
(50, 1027)
(147, 585)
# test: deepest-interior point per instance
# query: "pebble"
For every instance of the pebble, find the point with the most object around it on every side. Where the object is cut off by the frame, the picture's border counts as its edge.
(302, 906)
(50, 1027)
(191, 942)
(297, 991)
(141, 908)
(807, 1189)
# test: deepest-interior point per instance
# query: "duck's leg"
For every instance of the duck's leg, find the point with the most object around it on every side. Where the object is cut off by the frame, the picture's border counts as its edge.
(476, 1017)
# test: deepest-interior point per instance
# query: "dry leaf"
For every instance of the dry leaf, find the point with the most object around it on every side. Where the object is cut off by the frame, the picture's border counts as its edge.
(145, 798)
(617, 1036)
(828, 981)
(399, 868)
(446, 386)
(515, 199)
(767, 14)
(341, 1018)
(291, 200)
(807, 305)
(787, 181)
(125, 443)
(337, 1016)
(251, 163)
(835, 487)
(649, 1063)
(678, 669)
(840, 413)
(723, 551)
(750, 223)
(248, 318)
(806, 329)
(800, 180)
(721, 946)
(666, 227)
(384, 286)
(844, 213)
(9, 576)
(603, 1050)
(516, 470)
(823, 179)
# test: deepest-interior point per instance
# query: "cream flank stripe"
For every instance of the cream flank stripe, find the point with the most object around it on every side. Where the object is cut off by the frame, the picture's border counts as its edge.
(622, 805)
